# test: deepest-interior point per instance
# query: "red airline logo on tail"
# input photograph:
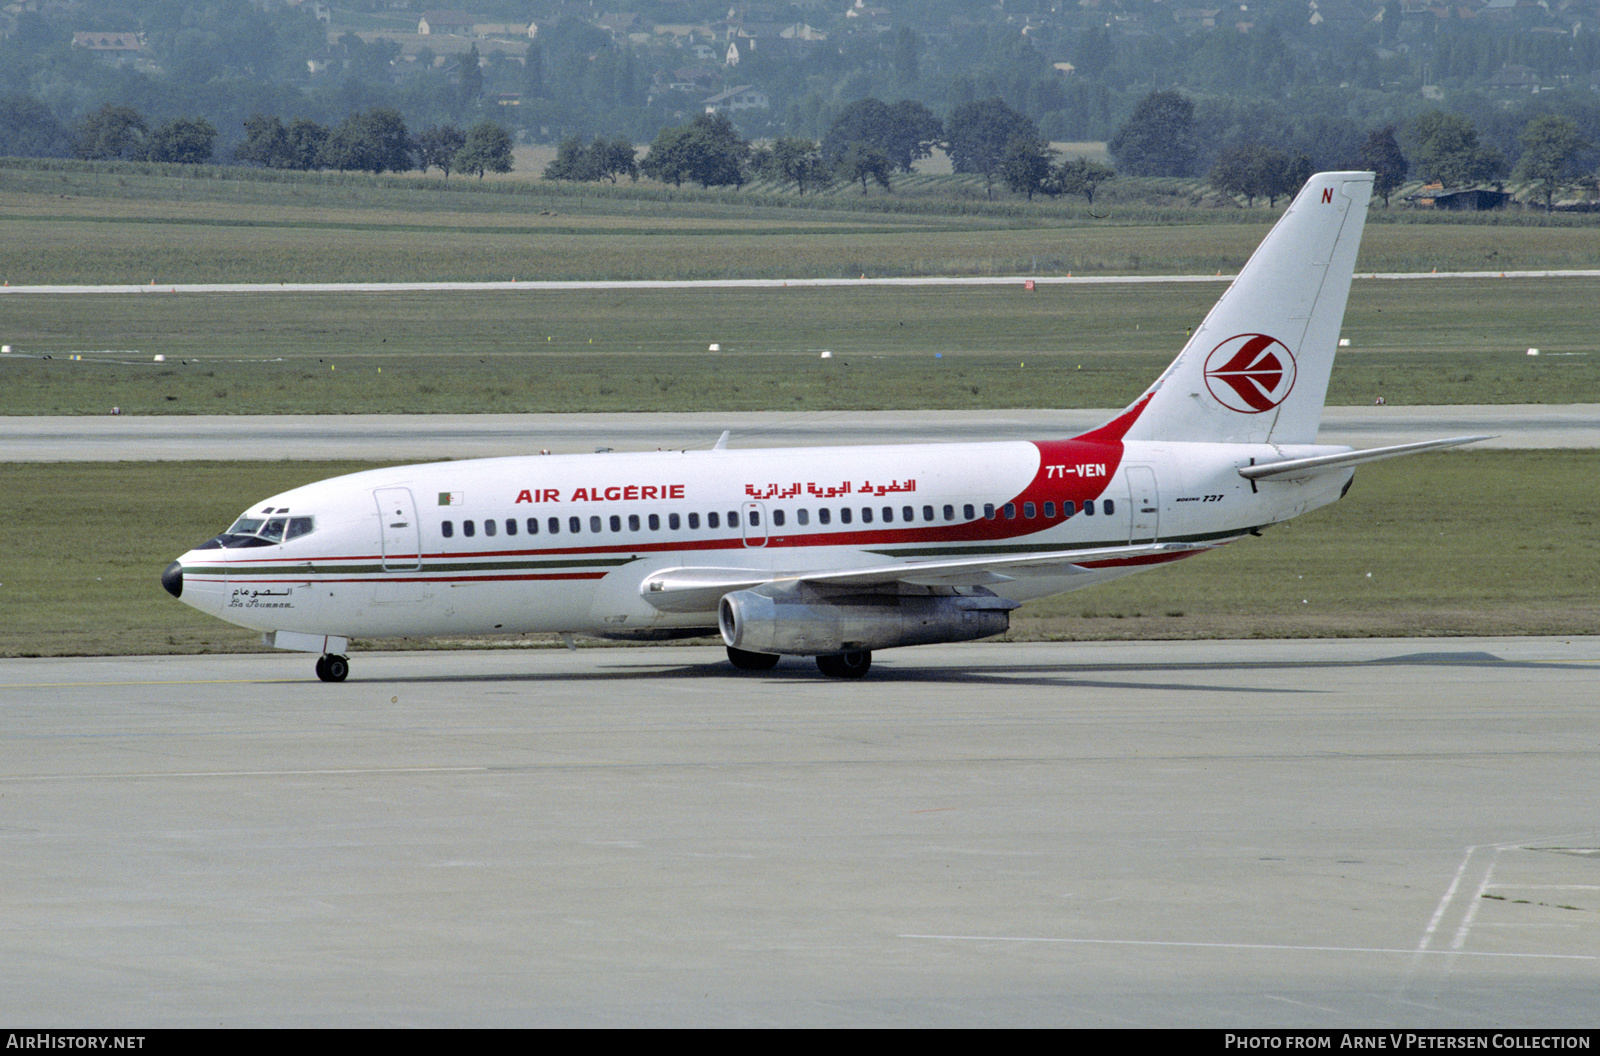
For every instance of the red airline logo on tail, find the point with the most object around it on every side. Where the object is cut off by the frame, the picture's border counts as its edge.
(1250, 373)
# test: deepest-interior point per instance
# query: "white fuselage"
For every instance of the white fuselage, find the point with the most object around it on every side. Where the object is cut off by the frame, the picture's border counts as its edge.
(565, 543)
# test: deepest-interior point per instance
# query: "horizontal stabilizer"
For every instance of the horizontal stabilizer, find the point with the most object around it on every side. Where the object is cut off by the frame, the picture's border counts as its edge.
(1304, 468)
(699, 589)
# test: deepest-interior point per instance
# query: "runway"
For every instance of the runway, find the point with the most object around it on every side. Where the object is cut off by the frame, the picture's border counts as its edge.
(1374, 833)
(417, 437)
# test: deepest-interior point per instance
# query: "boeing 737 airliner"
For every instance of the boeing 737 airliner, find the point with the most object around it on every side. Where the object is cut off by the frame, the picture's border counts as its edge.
(826, 552)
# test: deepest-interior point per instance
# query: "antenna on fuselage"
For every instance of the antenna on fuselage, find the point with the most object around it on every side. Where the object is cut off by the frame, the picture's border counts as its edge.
(722, 441)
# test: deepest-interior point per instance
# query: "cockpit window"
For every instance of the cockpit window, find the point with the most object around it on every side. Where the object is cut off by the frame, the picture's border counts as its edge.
(261, 531)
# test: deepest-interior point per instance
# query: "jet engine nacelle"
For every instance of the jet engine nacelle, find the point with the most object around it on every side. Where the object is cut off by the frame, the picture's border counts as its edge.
(805, 621)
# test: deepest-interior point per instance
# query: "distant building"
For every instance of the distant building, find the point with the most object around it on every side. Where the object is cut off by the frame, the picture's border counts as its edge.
(114, 42)
(1470, 200)
(744, 97)
(445, 23)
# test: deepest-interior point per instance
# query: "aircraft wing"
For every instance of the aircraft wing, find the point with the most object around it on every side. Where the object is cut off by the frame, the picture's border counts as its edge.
(698, 589)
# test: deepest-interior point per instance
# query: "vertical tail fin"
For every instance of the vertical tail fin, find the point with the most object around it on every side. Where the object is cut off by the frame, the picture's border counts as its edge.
(1256, 370)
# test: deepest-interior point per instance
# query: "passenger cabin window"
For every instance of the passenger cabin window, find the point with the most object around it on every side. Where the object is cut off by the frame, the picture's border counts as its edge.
(447, 529)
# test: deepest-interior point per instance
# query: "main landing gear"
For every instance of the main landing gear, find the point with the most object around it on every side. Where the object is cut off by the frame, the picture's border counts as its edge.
(845, 665)
(745, 660)
(331, 668)
(839, 665)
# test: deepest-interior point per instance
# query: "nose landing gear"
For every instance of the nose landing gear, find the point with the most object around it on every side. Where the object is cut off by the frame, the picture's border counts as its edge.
(332, 668)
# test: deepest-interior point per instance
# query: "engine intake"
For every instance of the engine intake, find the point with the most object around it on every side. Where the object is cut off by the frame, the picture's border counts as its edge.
(800, 620)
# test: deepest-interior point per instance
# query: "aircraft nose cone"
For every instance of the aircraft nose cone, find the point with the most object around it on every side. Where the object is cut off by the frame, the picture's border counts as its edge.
(172, 579)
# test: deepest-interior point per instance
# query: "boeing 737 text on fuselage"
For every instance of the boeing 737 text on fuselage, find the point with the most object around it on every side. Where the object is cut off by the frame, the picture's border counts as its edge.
(826, 552)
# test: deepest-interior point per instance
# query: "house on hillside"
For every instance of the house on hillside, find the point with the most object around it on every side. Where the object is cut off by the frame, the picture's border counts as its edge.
(123, 43)
(445, 23)
(744, 97)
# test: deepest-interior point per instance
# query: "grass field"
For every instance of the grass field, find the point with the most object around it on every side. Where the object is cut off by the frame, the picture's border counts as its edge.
(1427, 341)
(1416, 548)
(74, 223)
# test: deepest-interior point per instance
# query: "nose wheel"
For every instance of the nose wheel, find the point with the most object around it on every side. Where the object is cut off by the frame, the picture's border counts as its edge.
(331, 668)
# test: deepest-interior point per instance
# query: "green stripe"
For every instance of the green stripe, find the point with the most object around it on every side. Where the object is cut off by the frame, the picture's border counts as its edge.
(328, 569)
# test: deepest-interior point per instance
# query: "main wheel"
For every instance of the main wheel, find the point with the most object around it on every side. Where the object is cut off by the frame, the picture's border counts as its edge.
(745, 660)
(845, 665)
(332, 668)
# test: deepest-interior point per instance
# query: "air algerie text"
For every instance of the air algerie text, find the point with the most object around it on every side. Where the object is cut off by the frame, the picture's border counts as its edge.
(616, 493)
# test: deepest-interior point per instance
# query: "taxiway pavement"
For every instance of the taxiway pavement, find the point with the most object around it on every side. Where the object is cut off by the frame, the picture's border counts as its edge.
(1274, 833)
(415, 437)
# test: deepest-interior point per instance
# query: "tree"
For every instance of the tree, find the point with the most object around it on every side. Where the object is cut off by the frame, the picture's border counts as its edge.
(798, 161)
(1448, 151)
(617, 157)
(1158, 139)
(487, 149)
(437, 146)
(1549, 145)
(916, 133)
(905, 132)
(266, 143)
(1254, 171)
(471, 77)
(372, 141)
(29, 130)
(573, 161)
(1381, 153)
(111, 132)
(1079, 176)
(867, 121)
(863, 162)
(305, 139)
(707, 150)
(186, 141)
(979, 134)
(1026, 166)
(600, 160)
